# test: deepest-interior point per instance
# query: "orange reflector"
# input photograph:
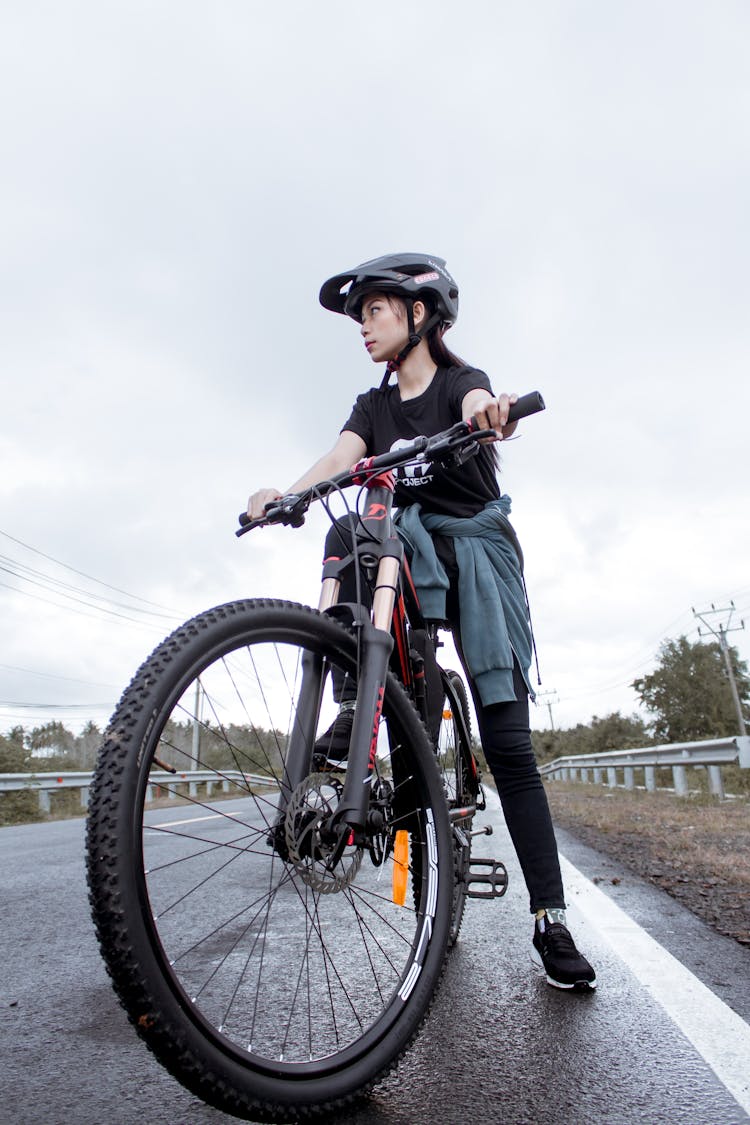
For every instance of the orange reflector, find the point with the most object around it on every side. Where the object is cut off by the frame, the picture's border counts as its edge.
(447, 714)
(400, 866)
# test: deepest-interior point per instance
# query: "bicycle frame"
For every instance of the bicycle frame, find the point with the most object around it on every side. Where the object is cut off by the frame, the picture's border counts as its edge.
(383, 557)
(377, 550)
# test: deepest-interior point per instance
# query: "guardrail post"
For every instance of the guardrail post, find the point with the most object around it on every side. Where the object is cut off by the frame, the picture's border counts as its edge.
(585, 775)
(679, 776)
(629, 777)
(649, 778)
(84, 796)
(598, 774)
(715, 782)
(611, 777)
(743, 748)
(44, 801)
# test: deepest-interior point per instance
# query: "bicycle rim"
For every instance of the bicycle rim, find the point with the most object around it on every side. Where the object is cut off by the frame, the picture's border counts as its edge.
(454, 757)
(266, 978)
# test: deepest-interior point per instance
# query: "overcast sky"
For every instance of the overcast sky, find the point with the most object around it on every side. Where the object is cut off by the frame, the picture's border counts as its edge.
(178, 179)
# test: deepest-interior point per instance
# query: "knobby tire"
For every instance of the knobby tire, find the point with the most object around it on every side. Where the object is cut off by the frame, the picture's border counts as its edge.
(272, 983)
(455, 763)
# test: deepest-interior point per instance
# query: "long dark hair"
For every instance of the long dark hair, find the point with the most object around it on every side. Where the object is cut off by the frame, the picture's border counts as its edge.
(444, 357)
(439, 353)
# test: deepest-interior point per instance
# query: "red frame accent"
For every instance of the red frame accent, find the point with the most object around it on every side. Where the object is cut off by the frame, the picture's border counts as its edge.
(381, 480)
(399, 633)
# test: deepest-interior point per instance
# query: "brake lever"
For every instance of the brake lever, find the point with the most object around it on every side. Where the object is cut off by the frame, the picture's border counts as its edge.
(289, 510)
(457, 458)
(453, 448)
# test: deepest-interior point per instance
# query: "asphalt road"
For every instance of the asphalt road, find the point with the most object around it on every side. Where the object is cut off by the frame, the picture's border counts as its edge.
(663, 1039)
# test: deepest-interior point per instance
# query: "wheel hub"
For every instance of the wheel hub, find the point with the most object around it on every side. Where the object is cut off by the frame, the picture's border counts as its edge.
(311, 848)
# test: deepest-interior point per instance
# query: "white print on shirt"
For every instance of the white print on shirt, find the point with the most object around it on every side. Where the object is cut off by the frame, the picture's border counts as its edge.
(412, 476)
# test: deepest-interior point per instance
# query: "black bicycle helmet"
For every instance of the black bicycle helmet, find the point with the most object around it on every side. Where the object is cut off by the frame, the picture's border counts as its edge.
(410, 276)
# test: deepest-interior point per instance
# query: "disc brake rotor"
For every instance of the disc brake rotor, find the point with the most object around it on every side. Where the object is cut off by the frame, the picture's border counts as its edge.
(310, 807)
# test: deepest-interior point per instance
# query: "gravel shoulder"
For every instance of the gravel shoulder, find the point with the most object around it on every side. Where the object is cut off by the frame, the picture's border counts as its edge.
(695, 849)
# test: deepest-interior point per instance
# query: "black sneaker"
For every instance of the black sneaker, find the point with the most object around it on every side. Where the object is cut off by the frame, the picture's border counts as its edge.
(555, 952)
(332, 748)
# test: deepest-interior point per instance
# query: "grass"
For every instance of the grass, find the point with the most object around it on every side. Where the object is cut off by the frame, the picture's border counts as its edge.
(696, 848)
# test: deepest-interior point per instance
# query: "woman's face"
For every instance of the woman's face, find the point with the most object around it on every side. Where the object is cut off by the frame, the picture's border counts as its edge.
(384, 327)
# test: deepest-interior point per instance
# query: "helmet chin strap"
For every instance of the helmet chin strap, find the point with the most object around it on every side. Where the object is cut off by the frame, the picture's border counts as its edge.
(415, 339)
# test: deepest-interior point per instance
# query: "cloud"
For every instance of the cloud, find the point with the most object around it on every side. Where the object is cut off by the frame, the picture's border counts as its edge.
(175, 192)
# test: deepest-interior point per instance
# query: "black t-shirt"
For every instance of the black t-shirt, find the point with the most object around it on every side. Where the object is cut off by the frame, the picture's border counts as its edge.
(384, 422)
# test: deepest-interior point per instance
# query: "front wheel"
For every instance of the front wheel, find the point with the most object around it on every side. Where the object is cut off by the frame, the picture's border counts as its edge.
(272, 975)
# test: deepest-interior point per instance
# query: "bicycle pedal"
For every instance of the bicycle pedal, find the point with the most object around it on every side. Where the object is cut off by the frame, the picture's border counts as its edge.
(488, 874)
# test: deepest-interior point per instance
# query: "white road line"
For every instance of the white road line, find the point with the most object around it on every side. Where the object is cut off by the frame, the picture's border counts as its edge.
(716, 1032)
(189, 820)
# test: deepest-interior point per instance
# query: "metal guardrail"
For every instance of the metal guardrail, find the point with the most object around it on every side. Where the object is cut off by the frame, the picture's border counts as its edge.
(711, 755)
(47, 783)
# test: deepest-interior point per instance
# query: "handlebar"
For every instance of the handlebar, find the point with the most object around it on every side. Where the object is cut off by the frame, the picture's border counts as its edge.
(454, 445)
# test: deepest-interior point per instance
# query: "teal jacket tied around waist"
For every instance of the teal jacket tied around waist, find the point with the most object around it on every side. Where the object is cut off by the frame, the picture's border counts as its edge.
(491, 595)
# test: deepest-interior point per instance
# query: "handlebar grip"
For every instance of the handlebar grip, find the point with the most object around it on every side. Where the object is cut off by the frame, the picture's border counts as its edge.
(528, 404)
(243, 519)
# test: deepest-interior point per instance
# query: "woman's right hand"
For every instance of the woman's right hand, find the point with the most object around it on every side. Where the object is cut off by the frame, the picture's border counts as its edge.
(256, 505)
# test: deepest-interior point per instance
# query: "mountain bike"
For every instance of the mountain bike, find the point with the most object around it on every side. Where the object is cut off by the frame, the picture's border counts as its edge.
(276, 934)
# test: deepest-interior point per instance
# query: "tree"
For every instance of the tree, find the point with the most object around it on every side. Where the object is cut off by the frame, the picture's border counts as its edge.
(53, 740)
(689, 694)
(14, 756)
(617, 732)
(87, 745)
(613, 732)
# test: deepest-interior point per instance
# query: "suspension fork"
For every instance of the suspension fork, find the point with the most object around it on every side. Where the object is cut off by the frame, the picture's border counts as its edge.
(384, 551)
(299, 750)
(309, 700)
(376, 643)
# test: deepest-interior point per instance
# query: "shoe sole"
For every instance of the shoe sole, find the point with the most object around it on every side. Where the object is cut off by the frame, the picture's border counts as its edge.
(575, 986)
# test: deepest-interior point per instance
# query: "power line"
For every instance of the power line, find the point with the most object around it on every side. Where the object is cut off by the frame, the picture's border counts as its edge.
(81, 613)
(101, 608)
(82, 573)
(56, 585)
(56, 676)
(54, 706)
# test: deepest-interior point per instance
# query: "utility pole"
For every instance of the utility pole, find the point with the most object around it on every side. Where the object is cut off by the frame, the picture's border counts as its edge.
(721, 636)
(548, 703)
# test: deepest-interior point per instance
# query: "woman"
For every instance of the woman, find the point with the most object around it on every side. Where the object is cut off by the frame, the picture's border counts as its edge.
(454, 524)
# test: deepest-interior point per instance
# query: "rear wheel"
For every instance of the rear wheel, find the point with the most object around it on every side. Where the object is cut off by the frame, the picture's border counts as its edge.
(269, 974)
(461, 784)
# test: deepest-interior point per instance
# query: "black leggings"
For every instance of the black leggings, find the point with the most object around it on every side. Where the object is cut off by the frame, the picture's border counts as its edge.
(506, 741)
